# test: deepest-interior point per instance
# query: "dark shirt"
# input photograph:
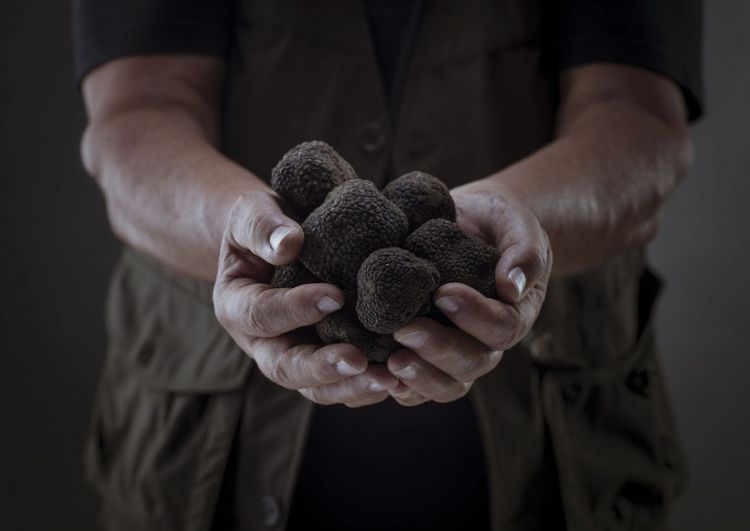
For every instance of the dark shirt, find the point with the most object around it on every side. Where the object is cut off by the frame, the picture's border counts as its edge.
(386, 466)
(660, 35)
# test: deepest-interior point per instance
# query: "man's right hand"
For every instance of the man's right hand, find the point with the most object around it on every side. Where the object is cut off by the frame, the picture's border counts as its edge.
(271, 325)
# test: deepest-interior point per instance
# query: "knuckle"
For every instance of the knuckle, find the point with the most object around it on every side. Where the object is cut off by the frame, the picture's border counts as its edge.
(242, 219)
(439, 349)
(317, 396)
(323, 372)
(299, 308)
(399, 360)
(221, 312)
(539, 260)
(363, 393)
(260, 321)
(222, 308)
(276, 371)
(473, 365)
(505, 336)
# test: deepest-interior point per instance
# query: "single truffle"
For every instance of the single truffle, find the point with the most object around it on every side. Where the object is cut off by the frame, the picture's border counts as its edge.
(422, 197)
(393, 287)
(353, 221)
(457, 256)
(306, 173)
(292, 275)
(343, 327)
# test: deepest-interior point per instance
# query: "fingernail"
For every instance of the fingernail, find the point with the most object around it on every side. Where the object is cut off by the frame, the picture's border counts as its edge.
(377, 387)
(519, 279)
(345, 369)
(278, 234)
(407, 373)
(448, 304)
(495, 355)
(328, 305)
(411, 339)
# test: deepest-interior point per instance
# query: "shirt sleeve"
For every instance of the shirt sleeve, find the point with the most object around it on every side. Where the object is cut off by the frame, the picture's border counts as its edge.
(107, 29)
(661, 35)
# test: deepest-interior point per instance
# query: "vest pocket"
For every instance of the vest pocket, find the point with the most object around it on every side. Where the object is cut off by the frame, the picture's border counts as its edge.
(168, 402)
(163, 329)
(619, 462)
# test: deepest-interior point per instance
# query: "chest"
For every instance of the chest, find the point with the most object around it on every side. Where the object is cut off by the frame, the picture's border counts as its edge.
(475, 96)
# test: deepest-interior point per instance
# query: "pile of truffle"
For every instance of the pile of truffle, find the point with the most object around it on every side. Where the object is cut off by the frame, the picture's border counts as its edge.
(388, 250)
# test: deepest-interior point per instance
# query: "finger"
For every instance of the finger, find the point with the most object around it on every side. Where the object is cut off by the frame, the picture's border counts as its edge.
(525, 261)
(257, 224)
(452, 351)
(259, 310)
(373, 384)
(295, 366)
(425, 378)
(492, 322)
(406, 396)
(375, 399)
(524, 246)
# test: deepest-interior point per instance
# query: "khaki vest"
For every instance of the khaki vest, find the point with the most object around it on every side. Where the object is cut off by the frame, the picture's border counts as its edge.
(579, 402)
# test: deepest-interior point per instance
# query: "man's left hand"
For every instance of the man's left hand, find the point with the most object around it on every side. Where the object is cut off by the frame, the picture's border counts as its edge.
(441, 363)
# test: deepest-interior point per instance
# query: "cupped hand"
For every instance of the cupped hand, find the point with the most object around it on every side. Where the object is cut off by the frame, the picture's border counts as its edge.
(441, 363)
(271, 325)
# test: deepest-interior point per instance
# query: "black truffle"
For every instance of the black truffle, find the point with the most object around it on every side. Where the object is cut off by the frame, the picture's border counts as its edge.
(457, 256)
(292, 275)
(422, 197)
(306, 173)
(393, 286)
(353, 221)
(356, 238)
(343, 327)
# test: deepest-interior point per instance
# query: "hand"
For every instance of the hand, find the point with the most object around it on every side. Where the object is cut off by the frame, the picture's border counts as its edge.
(268, 323)
(441, 363)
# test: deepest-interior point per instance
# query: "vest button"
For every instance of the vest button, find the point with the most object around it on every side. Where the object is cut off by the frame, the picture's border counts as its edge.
(372, 136)
(270, 510)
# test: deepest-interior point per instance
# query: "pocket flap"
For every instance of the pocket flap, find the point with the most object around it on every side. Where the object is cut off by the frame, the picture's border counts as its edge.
(164, 328)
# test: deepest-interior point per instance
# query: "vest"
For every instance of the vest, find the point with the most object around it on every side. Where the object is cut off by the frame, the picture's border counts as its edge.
(580, 401)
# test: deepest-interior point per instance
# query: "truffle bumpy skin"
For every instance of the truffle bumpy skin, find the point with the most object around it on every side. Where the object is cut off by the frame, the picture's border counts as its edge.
(422, 197)
(393, 287)
(306, 173)
(343, 327)
(457, 256)
(355, 220)
(292, 275)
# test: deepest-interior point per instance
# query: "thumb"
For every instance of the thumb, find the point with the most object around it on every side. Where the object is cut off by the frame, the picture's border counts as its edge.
(522, 266)
(257, 224)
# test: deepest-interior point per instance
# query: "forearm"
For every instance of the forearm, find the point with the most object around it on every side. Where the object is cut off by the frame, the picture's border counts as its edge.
(151, 145)
(168, 190)
(597, 189)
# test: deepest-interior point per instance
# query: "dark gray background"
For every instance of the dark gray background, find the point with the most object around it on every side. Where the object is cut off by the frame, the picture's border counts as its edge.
(57, 252)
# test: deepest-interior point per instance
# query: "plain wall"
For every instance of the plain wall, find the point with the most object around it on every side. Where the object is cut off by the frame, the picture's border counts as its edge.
(56, 256)
(703, 251)
(57, 253)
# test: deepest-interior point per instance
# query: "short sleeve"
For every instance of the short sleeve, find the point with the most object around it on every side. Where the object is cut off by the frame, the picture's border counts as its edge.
(107, 29)
(661, 35)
